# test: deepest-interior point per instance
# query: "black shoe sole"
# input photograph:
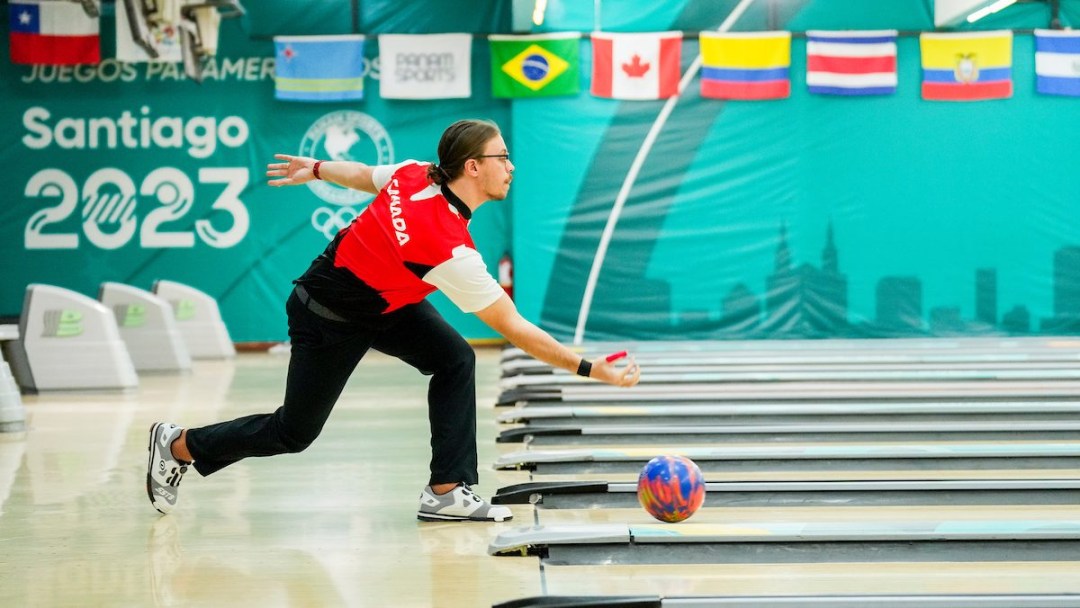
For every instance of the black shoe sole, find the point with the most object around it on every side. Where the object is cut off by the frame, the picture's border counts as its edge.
(429, 517)
(149, 465)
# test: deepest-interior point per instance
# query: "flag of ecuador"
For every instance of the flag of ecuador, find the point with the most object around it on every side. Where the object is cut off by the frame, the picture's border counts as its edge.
(967, 66)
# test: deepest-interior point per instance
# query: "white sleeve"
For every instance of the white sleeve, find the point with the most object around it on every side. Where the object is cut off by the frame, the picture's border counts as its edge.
(382, 173)
(465, 280)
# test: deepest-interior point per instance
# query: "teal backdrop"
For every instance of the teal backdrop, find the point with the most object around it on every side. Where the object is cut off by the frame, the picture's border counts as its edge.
(806, 217)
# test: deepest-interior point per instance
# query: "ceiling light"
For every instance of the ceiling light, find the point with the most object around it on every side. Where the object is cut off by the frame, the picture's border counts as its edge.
(989, 10)
(541, 6)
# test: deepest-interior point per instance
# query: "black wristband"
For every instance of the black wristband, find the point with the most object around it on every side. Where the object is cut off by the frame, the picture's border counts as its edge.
(584, 368)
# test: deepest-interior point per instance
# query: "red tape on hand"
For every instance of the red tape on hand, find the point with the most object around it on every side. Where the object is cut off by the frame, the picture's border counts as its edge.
(615, 356)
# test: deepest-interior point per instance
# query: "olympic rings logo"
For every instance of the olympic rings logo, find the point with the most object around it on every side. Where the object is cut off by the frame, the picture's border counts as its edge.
(329, 221)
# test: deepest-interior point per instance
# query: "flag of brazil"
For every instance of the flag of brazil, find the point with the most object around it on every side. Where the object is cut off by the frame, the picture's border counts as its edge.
(539, 65)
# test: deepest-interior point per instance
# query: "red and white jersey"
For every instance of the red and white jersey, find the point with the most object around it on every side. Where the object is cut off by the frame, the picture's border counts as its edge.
(411, 240)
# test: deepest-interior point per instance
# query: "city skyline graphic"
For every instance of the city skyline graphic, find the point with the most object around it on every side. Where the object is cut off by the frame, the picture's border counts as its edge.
(808, 301)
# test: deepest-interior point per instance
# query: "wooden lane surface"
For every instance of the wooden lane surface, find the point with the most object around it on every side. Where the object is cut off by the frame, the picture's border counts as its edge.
(876, 514)
(826, 475)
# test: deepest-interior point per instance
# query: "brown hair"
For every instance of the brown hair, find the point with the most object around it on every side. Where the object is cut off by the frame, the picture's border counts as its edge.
(460, 141)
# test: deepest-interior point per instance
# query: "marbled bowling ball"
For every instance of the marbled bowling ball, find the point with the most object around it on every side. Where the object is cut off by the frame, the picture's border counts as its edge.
(671, 488)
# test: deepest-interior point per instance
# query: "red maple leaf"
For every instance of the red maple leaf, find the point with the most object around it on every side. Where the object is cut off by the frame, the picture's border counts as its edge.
(635, 69)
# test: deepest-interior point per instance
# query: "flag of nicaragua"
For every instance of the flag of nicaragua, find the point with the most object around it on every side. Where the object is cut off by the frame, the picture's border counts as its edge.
(851, 62)
(1057, 62)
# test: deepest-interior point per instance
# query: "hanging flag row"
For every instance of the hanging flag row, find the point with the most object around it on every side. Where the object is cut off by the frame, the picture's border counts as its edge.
(644, 66)
(756, 65)
(640, 66)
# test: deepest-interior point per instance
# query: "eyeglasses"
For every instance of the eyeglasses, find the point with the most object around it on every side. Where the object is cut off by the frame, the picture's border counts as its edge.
(505, 157)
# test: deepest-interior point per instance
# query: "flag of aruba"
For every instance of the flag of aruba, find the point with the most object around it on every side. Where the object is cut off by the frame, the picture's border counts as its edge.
(319, 68)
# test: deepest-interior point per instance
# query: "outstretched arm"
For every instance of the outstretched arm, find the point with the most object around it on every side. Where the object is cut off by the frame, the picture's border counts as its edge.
(296, 170)
(503, 317)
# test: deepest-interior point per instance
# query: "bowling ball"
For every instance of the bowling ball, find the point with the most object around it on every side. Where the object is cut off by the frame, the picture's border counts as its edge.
(671, 488)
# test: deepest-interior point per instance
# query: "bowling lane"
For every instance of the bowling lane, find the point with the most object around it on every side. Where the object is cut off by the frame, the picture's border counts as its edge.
(825, 475)
(804, 514)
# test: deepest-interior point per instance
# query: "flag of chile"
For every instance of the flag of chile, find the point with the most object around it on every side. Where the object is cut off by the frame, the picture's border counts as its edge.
(52, 33)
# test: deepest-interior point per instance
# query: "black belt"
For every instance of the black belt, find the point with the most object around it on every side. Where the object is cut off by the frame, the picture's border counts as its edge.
(315, 307)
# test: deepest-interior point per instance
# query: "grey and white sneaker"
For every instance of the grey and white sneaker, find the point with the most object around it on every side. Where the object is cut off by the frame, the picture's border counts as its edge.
(163, 472)
(459, 504)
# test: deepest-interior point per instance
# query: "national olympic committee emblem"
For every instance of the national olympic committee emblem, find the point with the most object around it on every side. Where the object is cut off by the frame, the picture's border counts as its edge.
(344, 135)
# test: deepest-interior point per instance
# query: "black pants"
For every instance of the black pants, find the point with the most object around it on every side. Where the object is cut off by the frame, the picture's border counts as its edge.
(324, 355)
